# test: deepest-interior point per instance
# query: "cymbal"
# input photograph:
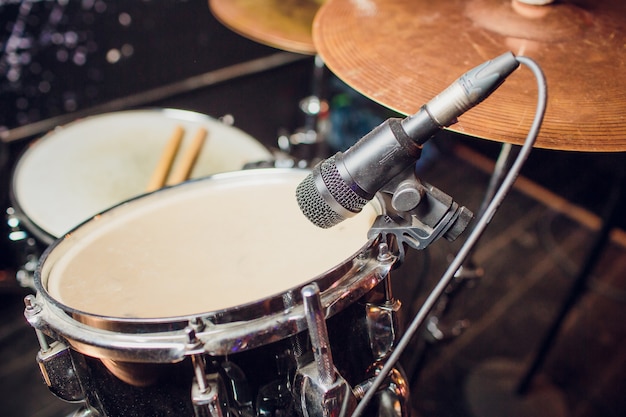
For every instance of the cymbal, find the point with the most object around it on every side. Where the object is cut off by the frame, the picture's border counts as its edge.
(402, 53)
(282, 24)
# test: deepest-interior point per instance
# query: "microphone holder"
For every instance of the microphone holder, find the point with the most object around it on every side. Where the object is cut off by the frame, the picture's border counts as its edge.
(417, 213)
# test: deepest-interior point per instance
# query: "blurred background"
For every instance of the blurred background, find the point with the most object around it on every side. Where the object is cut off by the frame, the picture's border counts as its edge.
(66, 60)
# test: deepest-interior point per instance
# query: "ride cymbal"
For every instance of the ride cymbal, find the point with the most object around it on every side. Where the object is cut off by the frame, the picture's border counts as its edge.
(282, 24)
(401, 53)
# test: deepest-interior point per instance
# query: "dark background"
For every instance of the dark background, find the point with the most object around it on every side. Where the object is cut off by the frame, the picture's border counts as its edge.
(65, 60)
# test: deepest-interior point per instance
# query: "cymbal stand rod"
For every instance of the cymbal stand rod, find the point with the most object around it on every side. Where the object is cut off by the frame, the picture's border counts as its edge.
(503, 163)
(311, 106)
(308, 143)
(505, 159)
(469, 244)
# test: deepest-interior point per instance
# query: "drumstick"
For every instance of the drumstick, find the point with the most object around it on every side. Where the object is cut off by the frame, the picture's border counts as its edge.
(183, 169)
(167, 159)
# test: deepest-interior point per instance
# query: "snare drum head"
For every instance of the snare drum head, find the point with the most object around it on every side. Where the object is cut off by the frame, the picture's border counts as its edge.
(207, 245)
(87, 166)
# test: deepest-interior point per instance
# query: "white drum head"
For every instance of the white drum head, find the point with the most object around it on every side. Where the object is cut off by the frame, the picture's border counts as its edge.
(89, 165)
(207, 245)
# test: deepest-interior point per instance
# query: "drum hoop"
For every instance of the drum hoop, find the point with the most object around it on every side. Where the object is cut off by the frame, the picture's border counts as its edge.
(168, 346)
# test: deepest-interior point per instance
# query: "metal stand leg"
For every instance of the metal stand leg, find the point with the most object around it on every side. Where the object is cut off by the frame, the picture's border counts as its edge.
(580, 283)
(495, 389)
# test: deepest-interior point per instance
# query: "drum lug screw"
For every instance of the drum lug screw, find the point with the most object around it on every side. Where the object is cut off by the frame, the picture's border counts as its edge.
(384, 254)
(207, 390)
(32, 306)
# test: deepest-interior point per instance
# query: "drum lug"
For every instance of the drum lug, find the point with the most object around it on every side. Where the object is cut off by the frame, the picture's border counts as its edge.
(207, 396)
(85, 412)
(319, 399)
(55, 362)
(395, 390)
(382, 326)
(59, 372)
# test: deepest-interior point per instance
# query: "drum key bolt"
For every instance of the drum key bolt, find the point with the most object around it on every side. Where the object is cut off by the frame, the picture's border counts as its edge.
(384, 254)
(206, 394)
(323, 392)
(319, 334)
(33, 308)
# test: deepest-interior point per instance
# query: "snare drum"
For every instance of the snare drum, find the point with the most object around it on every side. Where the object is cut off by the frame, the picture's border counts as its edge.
(87, 166)
(202, 281)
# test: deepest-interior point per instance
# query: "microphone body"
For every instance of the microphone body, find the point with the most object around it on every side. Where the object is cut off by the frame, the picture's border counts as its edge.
(341, 185)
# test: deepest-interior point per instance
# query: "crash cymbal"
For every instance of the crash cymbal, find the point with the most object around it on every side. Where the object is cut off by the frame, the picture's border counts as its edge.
(401, 53)
(282, 24)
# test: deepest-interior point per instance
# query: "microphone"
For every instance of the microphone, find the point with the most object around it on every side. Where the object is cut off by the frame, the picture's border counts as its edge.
(339, 187)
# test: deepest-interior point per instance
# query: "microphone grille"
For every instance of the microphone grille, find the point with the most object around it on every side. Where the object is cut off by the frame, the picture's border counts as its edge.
(313, 205)
(338, 188)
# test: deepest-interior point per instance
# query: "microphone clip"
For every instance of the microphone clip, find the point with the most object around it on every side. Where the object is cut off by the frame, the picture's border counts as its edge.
(417, 213)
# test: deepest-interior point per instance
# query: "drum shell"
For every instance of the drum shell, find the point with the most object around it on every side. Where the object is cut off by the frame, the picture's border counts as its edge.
(164, 388)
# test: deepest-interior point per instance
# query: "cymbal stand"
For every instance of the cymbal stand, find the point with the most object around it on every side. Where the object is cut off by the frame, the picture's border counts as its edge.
(510, 388)
(610, 216)
(308, 142)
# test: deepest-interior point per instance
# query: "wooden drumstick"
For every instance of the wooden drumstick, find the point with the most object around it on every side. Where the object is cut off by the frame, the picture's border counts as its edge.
(167, 159)
(183, 169)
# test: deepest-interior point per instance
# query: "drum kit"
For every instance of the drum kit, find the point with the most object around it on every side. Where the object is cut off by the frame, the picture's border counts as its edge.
(284, 317)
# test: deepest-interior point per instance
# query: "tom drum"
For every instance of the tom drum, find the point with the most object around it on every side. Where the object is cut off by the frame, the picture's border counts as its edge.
(85, 167)
(199, 286)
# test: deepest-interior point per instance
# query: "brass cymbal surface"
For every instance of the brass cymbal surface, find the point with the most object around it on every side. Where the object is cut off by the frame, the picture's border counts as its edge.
(402, 53)
(282, 24)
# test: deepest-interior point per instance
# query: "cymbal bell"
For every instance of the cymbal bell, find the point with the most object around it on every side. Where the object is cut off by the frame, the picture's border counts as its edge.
(403, 53)
(282, 24)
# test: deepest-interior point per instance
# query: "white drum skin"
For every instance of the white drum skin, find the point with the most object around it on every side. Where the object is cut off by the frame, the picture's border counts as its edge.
(205, 246)
(87, 166)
